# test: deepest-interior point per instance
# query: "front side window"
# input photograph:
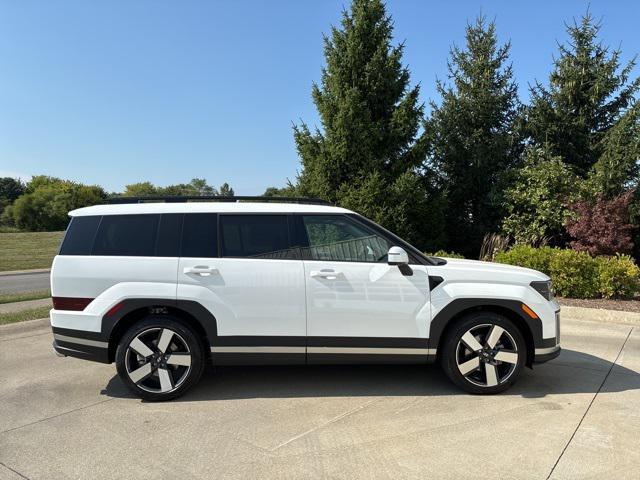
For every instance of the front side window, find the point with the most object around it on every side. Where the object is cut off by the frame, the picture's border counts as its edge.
(255, 236)
(127, 235)
(338, 238)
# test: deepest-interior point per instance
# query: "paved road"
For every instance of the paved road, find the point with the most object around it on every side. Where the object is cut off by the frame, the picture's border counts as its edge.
(29, 282)
(574, 417)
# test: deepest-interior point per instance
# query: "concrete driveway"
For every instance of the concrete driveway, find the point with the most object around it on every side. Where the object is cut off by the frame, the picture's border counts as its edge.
(575, 417)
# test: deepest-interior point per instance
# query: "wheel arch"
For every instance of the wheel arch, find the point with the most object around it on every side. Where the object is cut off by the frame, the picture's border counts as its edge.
(130, 311)
(451, 314)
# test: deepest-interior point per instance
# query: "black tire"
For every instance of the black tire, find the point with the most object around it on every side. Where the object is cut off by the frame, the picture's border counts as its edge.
(157, 375)
(490, 375)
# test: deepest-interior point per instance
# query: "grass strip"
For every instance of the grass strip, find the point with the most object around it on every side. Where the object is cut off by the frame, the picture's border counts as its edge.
(28, 250)
(24, 315)
(24, 296)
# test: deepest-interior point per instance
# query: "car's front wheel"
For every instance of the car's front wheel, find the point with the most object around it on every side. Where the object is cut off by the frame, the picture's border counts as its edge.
(484, 353)
(159, 358)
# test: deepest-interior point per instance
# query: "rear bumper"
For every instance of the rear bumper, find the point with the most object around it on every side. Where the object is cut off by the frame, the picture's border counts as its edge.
(545, 354)
(85, 348)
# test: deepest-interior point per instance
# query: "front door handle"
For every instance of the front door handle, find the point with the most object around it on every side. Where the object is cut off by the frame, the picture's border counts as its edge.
(202, 270)
(328, 274)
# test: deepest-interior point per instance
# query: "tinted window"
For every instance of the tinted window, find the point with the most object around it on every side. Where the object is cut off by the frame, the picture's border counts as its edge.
(168, 242)
(79, 237)
(199, 235)
(255, 236)
(127, 235)
(338, 238)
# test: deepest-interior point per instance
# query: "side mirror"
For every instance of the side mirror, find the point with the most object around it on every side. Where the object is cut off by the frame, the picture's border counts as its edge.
(397, 256)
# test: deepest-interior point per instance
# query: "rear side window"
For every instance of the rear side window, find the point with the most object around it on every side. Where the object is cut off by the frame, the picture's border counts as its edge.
(255, 236)
(79, 237)
(200, 235)
(127, 235)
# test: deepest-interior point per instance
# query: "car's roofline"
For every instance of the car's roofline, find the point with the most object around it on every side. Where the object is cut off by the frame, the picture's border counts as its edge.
(204, 207)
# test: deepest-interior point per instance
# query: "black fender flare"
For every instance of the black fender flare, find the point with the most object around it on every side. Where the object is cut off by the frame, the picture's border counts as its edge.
(512, 308)
(203, 316)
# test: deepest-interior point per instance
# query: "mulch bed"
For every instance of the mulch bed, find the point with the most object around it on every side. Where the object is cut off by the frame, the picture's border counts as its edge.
(622, 305)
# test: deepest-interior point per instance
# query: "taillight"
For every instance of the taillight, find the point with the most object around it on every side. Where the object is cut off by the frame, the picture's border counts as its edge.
(70, 303)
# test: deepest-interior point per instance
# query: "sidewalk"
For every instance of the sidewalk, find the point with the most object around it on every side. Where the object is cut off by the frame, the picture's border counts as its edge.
(26, 305)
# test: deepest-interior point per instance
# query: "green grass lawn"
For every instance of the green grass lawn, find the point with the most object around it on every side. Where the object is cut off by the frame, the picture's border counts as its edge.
(22, 297)
(28, 250)
(24, 315)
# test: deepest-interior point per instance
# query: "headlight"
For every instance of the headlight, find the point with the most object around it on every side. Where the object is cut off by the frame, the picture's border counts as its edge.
(543, 288)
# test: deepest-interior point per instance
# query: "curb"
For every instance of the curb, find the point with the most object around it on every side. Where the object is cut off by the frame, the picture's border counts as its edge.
(7, 332)
(25, 272)
(600, 315)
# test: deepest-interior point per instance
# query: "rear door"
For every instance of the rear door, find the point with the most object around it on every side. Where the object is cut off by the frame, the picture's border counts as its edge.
(359, 308)
(245, 270)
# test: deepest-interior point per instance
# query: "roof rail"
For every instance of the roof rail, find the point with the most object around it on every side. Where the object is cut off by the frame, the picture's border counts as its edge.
(215, 198)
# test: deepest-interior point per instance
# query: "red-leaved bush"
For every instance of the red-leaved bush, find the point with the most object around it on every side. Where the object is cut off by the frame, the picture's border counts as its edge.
(603, 227)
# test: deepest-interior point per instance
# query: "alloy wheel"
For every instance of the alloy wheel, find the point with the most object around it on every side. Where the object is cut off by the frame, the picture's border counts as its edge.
(487, 355)
(158, 360)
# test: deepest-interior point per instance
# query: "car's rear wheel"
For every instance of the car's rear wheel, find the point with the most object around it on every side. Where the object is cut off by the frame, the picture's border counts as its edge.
(484, 353)
(159, 358)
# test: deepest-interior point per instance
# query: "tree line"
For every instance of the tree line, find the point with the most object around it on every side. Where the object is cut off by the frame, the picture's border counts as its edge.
(474, 165)
(561, 169)
(43, 203)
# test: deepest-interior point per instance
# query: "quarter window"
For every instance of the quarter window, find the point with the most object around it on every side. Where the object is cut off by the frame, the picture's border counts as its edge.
(79, 237)
(338, 238)
(255, 236)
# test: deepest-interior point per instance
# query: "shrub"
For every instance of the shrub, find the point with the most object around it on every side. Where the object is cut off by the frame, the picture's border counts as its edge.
(578, 274)
(618, 277)
(443, 253)
(574, 274)
(602, 227)
(529, 257)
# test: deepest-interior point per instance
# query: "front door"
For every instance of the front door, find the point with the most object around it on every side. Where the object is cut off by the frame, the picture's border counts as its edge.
(359, 308)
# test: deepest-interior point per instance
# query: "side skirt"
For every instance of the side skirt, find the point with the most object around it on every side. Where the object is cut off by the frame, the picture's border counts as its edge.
(239, 350)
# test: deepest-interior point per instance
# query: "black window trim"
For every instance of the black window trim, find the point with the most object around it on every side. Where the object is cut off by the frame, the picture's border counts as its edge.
(180, 228)
(217, 236)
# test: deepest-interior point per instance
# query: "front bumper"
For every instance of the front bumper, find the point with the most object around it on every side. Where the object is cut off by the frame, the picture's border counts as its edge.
(545, 354)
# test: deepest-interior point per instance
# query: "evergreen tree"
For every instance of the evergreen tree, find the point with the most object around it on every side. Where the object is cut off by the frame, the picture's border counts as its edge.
(473, 137)
(618, 169)
(587, 95)
(226, 190)
(367, 152)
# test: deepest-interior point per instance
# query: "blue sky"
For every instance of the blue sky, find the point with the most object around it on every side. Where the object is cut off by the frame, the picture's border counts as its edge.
(116, 92)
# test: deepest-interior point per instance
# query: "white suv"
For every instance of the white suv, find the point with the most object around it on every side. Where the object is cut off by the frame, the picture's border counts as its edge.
(162, 288)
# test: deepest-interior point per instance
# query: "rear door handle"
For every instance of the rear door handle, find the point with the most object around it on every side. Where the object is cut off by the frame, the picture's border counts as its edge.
(202, 270)
(328, 274)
